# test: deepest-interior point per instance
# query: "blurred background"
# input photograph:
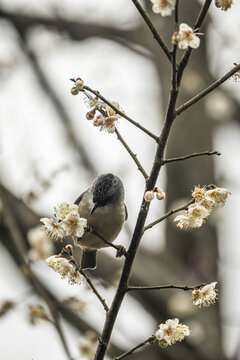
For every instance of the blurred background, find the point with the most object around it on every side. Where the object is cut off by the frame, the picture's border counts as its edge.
(50, 153)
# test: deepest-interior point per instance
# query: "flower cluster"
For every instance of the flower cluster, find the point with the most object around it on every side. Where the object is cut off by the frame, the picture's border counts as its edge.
(41, 246)
(69, 222)
(79, 85)
(170, 332)
(103, 115)
(149, 195)
(223, 4)
(185, 37)
(205, 295)
(37, 312)
(65, 269)
(163, 7)
(206, 199)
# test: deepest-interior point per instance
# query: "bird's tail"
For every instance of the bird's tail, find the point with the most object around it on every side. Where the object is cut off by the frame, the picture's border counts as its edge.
(89, 259)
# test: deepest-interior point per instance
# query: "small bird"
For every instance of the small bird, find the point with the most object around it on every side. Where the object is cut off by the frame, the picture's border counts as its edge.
(103, 207)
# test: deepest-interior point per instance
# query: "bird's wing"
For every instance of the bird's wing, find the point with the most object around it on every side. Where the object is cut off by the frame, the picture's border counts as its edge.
(126, 212)
(77, 201)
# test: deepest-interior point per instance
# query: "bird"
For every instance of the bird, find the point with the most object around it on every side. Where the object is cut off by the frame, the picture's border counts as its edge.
(104, 208)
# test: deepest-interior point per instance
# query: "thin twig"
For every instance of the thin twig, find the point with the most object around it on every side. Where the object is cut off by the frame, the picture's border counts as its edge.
(171, 212)
(131, 153)
(129, 352)
(209, 89)
(152, 28)
(187, 53)
(95, 291)
(180, 158)
(159, 287)
(106, 308)
(121, 113)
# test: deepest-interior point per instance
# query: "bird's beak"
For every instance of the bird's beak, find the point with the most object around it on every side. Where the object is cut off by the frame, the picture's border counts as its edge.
(95, 206)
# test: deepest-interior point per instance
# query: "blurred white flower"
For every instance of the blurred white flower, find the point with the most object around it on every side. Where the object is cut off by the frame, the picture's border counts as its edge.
(170, 332)
(218, 195)
(205, 295)
(64, 209)
(65, 269)
(41, 245)
(185, 37)
(163, 7)
(52, 228)
(88, 344)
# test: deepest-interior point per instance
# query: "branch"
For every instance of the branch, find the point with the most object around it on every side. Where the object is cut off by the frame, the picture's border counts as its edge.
(209, 89)
(160, 287)
(133, 156)
(95, 291)
(20, 247)
(191, 156)
(171, 212)
(187, 53)
(121, 113)
(129, 352)
(152, 28)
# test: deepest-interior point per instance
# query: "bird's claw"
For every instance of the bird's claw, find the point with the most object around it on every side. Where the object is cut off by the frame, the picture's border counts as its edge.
(120, 251)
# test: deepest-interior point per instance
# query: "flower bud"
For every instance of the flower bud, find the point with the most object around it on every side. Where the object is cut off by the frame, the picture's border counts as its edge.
(74, 91)
(160, 195)
(79, 84)
(69, 249)
(90, 114)
(223, 4)
(149, 196)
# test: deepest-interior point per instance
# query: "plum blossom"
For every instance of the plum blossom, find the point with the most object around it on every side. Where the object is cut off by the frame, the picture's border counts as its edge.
(65, 269)
(185, 37)
(170, 332)
(205, 295)
(163, 7)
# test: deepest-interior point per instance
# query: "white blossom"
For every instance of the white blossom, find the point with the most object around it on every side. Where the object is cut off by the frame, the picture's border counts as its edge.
(65, 269)
(64, 209)
(163, 7)
(170, 332)
(205, 295)
(218, 195)
(197, 211)
(73, 225)
(41, 245)
(185, 37)
(52, 228)
(185, 222)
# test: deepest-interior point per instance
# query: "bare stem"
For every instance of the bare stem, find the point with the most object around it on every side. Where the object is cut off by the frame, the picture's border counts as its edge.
(160, 287)
(121, 113)
(149, 340)
(171, 212)
(180, 158)
(133, 156)
(95, 291)
(206, 91)
(106, 242)
(152, 28)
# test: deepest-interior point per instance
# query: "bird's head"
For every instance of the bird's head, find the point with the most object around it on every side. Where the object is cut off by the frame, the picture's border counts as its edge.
(107, 189)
